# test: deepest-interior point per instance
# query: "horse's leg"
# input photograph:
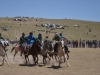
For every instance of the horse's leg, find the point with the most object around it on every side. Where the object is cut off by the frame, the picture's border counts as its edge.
(44, 59)
(16, 51)
(52, 58)
(34, 59)
(37, 59)
(60, 60)
(67, 55)
(5, 60)
(55, 57)
(66, 60)
(48, 57)
(25, 58)
(28, 58)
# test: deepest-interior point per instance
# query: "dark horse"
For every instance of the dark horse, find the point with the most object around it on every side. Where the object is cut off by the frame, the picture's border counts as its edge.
(47, 50)
(33, 50)
(29, 50)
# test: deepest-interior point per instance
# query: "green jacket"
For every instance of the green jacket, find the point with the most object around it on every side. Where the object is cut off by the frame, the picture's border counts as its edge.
(57, 38)
(39, 39)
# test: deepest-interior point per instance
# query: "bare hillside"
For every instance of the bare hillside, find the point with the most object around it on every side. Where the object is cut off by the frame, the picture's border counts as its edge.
(15, 28)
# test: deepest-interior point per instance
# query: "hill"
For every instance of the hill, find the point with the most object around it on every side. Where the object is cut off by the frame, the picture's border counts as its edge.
(15, 28)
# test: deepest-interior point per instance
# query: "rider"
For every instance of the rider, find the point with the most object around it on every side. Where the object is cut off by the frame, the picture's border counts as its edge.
(46, 38)
(1, 37)
(61, 35)
(22, 40)
(40, 39)
(30, 38)
(57, 37)
(65, 46)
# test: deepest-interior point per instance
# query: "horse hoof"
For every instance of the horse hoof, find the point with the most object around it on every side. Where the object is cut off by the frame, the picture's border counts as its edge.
(68, 65)
(9, 65)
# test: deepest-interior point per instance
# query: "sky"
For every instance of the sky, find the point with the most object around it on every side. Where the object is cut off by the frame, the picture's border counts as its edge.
(52, 9)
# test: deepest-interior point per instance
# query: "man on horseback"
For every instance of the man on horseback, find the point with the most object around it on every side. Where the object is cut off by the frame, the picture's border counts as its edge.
(1, 37)
(22, 40)
(30, 38)
(65, 46)
(61, 35)
(40, 39)
(2, 42)
(58, 37)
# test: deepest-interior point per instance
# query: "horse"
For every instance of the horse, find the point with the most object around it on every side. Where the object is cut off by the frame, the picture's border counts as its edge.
(66, 47)
(3, 52)
(18, 48)
(46, 50)
(60, 51)
(28, 50)
(33, 50)
(14, 42)
(5, 43)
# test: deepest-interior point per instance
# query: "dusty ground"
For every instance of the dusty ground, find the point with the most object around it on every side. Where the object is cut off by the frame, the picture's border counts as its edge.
(83, 61)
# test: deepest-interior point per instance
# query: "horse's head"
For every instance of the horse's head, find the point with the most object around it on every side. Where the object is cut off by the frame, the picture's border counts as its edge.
(50, 45)
(46, 45)
(62, 42)
(37, 41)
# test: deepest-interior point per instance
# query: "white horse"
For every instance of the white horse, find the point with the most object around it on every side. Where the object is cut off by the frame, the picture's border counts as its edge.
(3, 51)
(5, 43)
(61, 52)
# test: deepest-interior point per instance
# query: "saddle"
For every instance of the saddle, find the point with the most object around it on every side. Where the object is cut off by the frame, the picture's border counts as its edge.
(19, 47)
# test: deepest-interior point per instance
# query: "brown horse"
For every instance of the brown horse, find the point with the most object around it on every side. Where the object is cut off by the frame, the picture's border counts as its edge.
(28, 50)
(33, 50)
(18, 48)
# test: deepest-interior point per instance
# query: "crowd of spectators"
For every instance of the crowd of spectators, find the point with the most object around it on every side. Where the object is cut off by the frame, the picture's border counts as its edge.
(84, 43)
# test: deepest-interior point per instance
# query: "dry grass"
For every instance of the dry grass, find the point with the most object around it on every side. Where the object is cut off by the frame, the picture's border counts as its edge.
(71, 33)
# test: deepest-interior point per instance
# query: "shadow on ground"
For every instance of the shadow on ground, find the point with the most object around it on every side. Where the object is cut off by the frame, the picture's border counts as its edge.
(54, 67)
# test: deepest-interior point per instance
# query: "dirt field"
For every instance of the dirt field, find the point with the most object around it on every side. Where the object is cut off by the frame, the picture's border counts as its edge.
(83, 61)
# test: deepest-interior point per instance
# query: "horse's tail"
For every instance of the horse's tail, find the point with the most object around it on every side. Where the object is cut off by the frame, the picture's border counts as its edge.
(13, 48)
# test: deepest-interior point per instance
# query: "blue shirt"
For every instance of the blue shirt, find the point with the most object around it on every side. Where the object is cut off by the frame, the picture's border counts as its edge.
(31, 40)
(62, 37)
